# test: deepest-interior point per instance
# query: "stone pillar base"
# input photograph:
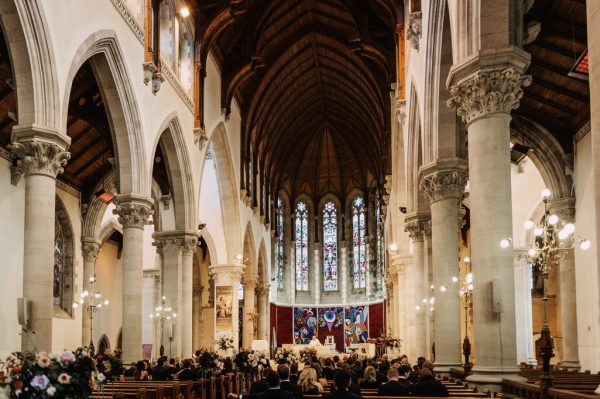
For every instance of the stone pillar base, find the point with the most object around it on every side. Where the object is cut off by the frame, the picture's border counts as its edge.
(492, 379)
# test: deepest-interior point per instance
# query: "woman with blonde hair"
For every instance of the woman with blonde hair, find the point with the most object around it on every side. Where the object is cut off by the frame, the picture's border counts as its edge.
(370, 379)
(308, 382)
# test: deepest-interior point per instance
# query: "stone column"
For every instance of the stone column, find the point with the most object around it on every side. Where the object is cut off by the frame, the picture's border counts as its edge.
(443, 183)
(262, 293)
(485, 88)
(89, 249)
(197, 317)
(188, 243)
(565, 209)
(133, 212)
(416, 225)
(249, 311)
(40, 157)
(227, 275)
(428, 293)
(389, 306)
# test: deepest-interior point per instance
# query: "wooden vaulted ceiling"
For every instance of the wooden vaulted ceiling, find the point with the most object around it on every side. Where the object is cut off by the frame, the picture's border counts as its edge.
(555, 100)
(8, 99)
(313, 80)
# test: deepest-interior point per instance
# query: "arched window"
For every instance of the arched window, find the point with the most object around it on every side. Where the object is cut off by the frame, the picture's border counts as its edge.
(379, 223)
(279, 247)
(358, 242)
(330, 246)
(62, 285)
(301, 247)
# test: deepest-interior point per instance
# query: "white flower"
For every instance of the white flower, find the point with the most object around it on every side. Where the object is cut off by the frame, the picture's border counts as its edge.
(4, 393)
(100, 378)
(51, 391)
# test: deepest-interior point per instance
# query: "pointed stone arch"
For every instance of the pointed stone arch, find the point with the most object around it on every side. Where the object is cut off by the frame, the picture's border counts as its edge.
(27, 37)
(250, 252)
(228, 191)
(174, 149)
(106, 59)
(263, 264)
(415, 144)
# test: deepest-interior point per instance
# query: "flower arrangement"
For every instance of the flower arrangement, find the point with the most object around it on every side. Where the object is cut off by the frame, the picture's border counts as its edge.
(284, 356)
(246, 362)
(307, 354)
(224, 343)
(390, 342)
(43, 376)
(210, 362)
(109, 368)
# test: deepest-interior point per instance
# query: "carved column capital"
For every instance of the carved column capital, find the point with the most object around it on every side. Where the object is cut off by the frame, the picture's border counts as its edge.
(417, 226)
(38, 152)
(90, 250)
(490, 83)
(133, 211)
(250, 281)
(564, 208)
(444, 180)
(188, 244)
(415, 29)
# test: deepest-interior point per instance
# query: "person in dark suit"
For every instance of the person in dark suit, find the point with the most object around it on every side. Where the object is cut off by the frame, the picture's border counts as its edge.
(160, 372)
(284, 375)
(342, 381)
(395, 387)
(328, 371)
(130, 371)
(428, 385)
(294, 373)
(274, 391)
(186, 374)
(353, 387)
(260, 385)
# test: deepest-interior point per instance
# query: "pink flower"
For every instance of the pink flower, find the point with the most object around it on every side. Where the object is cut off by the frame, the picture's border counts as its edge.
(64, 378)
(67, 357)
(42, 359)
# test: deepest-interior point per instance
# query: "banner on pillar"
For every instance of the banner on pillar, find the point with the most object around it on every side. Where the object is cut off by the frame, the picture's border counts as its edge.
(224, 297)
(305, 325)
(356, 325)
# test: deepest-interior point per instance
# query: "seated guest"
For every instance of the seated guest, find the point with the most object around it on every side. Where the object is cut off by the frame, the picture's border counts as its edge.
(160, 372)
(130, 371)
(284, 375)
(428, 385)
(260, 385)
(320, 379)
(294, 373)
(413, 377)
(174, 366)
(141, 374)
(353, 387)
(394, 387)
(370, 379)
(308, 382)
(186, 374)
(328, 371)
(273, 390)
(342, 381)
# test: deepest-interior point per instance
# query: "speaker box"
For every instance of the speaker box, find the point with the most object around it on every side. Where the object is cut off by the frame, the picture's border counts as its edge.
(497, 294)
(23, 311)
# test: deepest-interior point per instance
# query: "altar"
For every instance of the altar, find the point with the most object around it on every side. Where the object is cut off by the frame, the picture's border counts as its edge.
(327, 350)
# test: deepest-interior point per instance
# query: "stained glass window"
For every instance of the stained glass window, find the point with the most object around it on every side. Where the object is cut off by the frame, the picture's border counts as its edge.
(358, 242)
(379, 222)
(301, 247)
(279, 247)
(330, 247)
(59, 263)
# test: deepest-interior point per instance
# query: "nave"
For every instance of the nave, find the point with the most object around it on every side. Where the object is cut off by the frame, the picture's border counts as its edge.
(188, 181)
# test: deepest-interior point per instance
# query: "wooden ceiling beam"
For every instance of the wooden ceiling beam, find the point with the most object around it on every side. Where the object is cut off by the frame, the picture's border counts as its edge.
(560, 90)
(551, 103)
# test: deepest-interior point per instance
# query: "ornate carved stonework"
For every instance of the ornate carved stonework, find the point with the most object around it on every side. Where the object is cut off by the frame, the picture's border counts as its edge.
(166, 244)
(132, 214)
(488, 92)
(444, 184)
(401, 111)
(200, 138)
(416, 229)
(36, 157)
(149, 69)
(460, 214)
(415, 29)
(90, 251)
(157, 81)
(250, 281)
(188, 245)
(564, 208)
